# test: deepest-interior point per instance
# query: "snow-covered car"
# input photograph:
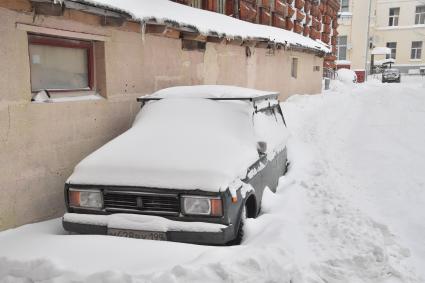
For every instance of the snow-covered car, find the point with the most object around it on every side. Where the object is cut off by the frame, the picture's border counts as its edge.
(391, 75)
(192, 167)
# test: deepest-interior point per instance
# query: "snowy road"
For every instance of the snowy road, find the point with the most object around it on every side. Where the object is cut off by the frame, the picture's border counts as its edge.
(351, 208)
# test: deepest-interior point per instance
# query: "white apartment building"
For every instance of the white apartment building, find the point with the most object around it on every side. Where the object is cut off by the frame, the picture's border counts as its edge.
(396, 24)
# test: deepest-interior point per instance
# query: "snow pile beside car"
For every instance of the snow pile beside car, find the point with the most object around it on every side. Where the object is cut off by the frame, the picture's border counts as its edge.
(350, 209)
(346, 76)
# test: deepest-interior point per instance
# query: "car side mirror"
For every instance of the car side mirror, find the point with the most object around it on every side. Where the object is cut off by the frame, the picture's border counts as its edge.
(262, 147)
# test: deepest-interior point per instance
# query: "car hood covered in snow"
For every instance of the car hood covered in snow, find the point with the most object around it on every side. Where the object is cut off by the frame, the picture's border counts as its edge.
(177, 143)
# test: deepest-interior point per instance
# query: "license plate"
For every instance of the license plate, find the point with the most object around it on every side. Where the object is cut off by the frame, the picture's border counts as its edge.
(156, 236)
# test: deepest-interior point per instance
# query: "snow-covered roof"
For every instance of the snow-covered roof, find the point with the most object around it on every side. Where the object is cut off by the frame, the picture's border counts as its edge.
(177, 144)
(381, 51)
(206, 22)
(343, 62)
(384, 61)
(210, 91)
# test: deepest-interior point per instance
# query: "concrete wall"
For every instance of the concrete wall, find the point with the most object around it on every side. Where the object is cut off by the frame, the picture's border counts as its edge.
(41, 143)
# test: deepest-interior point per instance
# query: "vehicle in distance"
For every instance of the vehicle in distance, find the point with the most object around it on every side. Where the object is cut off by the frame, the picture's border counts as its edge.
(194, 164)
(391, 75)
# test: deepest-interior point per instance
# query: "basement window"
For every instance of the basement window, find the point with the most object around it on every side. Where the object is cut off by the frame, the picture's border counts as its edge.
(59, 64)
(191, 45)
(294, 68)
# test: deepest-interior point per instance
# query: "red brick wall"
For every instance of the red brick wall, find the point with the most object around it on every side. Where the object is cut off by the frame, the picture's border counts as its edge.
(316, 19)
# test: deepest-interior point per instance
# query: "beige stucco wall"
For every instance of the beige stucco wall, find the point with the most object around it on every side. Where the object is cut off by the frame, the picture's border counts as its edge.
(355, 28)
(41, 143)
(403, 34)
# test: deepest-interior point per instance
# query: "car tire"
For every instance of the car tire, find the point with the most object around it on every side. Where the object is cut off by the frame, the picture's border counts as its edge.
(239, 236)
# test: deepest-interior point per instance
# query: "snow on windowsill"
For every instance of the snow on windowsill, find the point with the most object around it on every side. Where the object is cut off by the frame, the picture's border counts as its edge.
(343, 62)
(62, 99)
(345, 14)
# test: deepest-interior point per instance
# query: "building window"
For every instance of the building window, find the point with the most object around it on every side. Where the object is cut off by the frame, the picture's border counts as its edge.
(416, 52)
(393, 19)
(221, 6)
(393, 47)
(193, 45)
(345, 6)
(195, 3)
(294, 68)
(420, 15)
(341, 47)
(59, 64)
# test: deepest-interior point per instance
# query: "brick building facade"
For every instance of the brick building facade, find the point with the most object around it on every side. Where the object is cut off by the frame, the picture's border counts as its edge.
(317, 19)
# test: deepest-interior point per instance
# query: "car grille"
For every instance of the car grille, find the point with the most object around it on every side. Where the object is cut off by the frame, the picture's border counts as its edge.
(148, 203)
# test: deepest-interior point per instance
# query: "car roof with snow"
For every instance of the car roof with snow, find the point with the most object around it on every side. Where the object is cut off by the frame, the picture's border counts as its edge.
(182, 143)
(215, 92)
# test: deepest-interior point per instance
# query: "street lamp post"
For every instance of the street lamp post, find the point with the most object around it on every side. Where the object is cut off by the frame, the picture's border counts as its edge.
(367, 39)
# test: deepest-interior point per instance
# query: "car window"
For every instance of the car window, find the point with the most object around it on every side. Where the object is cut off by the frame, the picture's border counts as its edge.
(270, 128)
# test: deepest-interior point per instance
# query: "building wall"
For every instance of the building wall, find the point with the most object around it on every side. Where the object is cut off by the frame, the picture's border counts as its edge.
(403, 34)
(355, 28)
(41, 143)
(316, 19)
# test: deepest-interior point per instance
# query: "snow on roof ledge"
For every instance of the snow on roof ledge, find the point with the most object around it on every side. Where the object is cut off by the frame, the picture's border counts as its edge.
(343, 62)
(206, 22)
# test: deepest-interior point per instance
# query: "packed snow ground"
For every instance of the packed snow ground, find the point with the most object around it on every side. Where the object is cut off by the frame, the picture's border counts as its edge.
(351, 208)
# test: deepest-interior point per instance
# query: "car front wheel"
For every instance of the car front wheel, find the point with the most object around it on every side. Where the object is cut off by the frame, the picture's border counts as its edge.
(240, 233)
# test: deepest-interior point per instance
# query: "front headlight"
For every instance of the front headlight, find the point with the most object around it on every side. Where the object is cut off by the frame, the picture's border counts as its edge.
(196, 205)
(85, 198)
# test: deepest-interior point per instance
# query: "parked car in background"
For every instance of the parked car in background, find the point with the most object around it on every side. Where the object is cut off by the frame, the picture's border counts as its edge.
(192, 167)
(391, 75)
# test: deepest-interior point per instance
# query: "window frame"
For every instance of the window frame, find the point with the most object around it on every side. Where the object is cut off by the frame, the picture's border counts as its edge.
(221, 6)
(344, 8)
(54, 41)
(392, 19)
(416, 51)
(420, 16)
(196, 4)
(388, 56)
(338, 46)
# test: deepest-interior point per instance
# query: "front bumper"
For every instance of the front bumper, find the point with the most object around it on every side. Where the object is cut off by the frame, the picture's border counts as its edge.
(392, 79)
(176, 231)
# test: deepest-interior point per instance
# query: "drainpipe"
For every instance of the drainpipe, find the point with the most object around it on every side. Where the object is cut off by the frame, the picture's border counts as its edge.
(367, 39)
